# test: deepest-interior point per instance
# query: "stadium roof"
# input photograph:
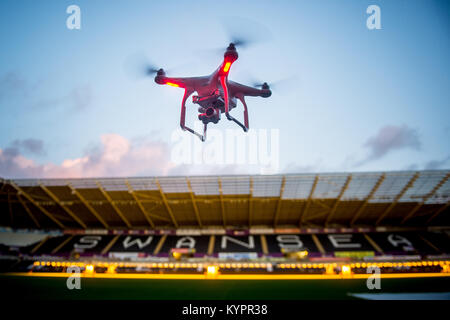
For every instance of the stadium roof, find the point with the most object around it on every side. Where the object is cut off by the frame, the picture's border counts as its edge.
(406, 198)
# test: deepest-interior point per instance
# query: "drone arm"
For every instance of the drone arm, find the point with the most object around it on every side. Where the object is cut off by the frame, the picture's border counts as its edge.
(187, 94)
(223, 82)
(187, 82)
(240, 89)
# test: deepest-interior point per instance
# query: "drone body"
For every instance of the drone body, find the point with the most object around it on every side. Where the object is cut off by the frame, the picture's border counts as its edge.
(216, 94)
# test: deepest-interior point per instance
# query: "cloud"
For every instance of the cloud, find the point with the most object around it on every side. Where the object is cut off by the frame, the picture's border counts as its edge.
(297, 168)
(391, 138)
(31, 145)
(412, 167)
(116, 156)
(78, 99)
(13, 84)
(214, 169)
(437, 164)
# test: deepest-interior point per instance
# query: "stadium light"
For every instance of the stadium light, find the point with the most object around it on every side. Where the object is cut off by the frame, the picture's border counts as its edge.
(211, 271)
(176, 255)
(111, 269)
(329, 269)
(89, 268)
(346, 270)
(302, 254)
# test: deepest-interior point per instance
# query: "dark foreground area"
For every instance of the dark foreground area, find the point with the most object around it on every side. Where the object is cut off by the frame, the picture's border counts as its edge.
(34, 288)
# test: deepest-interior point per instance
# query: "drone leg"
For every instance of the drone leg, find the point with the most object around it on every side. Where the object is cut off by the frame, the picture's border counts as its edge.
(242, 99)
(205, 127)
(183, 108)
(187, 93)
(227, 113)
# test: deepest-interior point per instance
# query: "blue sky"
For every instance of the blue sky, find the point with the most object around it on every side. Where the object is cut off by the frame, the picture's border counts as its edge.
(357, 99)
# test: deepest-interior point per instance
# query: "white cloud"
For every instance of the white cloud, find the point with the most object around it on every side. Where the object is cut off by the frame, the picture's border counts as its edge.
(117, 156)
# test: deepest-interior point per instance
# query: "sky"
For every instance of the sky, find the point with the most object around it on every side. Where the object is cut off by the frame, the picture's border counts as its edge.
(346, 98)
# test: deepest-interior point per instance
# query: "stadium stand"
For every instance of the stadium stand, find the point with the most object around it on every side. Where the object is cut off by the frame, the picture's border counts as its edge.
(292, 224)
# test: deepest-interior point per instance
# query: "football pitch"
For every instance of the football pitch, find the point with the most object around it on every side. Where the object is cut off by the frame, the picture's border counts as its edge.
(43, 288)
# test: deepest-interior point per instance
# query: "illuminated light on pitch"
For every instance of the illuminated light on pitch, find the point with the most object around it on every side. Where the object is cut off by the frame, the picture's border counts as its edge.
(172, 84)
(89, 268)
(226, 67)
(211, 270)
(329, 269)
(346, 270)
(111, 269)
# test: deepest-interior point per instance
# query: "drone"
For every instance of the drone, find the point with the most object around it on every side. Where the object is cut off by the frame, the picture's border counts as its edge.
(216, 94)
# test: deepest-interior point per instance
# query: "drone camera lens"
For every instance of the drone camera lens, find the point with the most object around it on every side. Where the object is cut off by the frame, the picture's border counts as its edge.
(210, 112)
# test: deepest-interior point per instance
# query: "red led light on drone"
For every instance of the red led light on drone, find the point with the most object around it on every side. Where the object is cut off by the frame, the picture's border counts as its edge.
(172, 84)
(227, 67)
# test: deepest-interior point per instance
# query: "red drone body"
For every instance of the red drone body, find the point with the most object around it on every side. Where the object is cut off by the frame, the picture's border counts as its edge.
(216, 94)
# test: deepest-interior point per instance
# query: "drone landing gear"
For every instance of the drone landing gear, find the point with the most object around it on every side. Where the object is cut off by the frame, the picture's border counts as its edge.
(227, 112)
(202, 137)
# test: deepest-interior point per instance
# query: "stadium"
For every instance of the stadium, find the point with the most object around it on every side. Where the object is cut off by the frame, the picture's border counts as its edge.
(189, 155)
(295, 236)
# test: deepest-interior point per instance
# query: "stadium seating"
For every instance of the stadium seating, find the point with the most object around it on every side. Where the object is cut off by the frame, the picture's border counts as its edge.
(284, 253)
(393, 243)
